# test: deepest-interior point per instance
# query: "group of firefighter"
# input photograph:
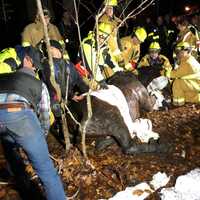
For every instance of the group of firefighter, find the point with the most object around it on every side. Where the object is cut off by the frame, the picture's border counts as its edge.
(25, 68)
(124, 54)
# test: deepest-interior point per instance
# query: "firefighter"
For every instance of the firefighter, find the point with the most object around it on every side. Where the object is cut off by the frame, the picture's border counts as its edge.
(109, 18)
(189, 34)
(130, 47)
(9, 60)
(151, 69)
(155, 60)
(33, 34)
(186, 78)
(108, 60)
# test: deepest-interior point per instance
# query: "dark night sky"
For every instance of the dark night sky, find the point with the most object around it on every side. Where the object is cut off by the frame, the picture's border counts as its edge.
(19, 14)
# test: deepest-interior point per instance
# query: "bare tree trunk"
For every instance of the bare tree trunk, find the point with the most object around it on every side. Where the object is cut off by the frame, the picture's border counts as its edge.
(64, 120)
(89, 106)
(65, 128)
(52, 78)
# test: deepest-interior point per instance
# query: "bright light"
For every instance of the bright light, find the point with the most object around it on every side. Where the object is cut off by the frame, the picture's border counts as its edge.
(187, 8)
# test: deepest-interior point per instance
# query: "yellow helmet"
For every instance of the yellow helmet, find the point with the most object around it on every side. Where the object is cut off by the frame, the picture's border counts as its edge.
(140, 33)
(105, 29)
(9, 53)
(154, 46)
(110, 2)
(90, 35)
(183, 46)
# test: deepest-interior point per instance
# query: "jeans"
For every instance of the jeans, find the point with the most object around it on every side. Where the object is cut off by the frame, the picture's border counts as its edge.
(23, 128)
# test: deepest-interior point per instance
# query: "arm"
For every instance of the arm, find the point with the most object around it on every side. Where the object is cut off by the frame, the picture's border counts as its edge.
(26, 36)
(76, 80)
(184, 69)
(166, 64)
(143, 62)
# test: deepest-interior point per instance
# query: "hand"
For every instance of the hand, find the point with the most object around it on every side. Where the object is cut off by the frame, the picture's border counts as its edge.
(78, 98)
(121, 63)
(133, 64)
(162, 72)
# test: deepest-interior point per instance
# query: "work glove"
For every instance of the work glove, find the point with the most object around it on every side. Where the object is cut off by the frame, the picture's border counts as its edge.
(121, 63)
(167, 73)
(131, 66)
(93, 85)
(128, 67)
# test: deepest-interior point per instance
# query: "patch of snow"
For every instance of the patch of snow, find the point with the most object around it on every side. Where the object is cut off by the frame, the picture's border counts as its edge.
(139, 192)
(187, 187)
(142, 190)
(170, 194)
(159, 180)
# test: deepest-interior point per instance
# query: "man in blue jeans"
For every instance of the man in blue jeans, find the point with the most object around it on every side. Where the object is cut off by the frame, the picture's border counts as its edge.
(24, 120)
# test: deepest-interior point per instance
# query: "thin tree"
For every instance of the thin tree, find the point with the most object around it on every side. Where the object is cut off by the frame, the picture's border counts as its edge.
(52, 76)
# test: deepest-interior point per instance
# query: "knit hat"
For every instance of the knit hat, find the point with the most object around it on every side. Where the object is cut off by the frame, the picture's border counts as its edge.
(56, 44)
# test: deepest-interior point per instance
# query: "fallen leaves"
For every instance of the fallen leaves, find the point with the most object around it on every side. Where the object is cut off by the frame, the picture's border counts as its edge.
(110, 171)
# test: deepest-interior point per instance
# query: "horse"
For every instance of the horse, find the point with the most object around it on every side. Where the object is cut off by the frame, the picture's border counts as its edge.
(107, 119)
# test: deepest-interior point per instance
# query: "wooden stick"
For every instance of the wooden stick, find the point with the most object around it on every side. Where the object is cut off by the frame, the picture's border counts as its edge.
(89, 107)
(52, 76)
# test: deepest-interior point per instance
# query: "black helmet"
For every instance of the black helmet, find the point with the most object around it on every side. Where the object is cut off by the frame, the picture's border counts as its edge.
(56, 44)
(42, 47)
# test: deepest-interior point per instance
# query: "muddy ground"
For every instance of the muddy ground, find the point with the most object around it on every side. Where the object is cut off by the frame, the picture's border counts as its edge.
(110, 171)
